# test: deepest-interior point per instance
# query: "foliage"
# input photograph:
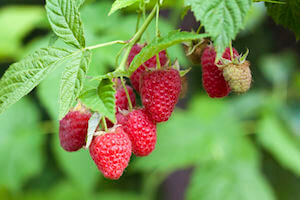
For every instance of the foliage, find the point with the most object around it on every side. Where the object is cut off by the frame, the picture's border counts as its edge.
(286, 14)
(243, 147)
(222, 19)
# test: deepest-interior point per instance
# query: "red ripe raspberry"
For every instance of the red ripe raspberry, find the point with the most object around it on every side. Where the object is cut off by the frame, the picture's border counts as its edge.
(111, 152)
(121, 98)
(151, 63)
(141, 131)
(160, 91)
(73, 129)
(212, 77)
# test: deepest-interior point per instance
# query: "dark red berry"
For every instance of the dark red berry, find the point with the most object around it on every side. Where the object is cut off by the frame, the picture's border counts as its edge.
(160, 91)
(73, 130)
(141, 130)
(212, 77)
(135, 78)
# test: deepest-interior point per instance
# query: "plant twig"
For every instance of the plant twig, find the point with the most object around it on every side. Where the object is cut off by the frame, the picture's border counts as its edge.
(106, 44)
(138, 21)
(104, 123)
(231, 52)
(199, 28)
(137, 37)
(127, 94)
(157, 18)
(270, 1)
(158, 65)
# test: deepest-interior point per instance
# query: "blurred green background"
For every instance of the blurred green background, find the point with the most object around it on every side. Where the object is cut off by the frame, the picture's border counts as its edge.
(243, 147)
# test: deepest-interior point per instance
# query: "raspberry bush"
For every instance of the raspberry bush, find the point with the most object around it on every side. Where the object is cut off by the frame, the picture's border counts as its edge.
(150, 99)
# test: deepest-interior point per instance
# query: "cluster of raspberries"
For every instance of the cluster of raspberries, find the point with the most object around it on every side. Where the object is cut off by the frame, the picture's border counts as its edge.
(135, 131)
(231, 73)
(221, 78)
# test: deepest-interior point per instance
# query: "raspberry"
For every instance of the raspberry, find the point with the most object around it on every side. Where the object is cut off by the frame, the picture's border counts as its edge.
(160, 91)
(212, 77)
(111, 152)
(151, 63)
(238, 76)
(141, 131)
(73, 129)
(121, 98)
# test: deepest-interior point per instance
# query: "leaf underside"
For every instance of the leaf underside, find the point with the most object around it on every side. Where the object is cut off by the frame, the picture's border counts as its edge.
(72, 80)
(118, 4)
(23, 76)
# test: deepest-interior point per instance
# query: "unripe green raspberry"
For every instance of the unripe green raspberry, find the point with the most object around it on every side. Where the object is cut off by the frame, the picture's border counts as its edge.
(238, 76)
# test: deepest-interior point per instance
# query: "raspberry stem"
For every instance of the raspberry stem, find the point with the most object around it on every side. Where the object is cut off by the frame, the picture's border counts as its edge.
(270, 1)
(104, 124)
(231, 52)
(118, 55)
(127, 94)
(199, 29)
(137, 37)
(143, 8)
(156, 20)
(158, 65)
(138, 22)
(106, 44)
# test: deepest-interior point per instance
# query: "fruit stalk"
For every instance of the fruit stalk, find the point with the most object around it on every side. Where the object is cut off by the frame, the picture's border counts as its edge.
(127, 94)
(106, 44)
(137, 37)
(158, 65)
(157, 18)
(104, 124)
(231, 52)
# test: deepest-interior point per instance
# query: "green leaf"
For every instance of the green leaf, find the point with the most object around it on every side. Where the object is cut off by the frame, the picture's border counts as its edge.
(64, 19)
(72, 80)
(277, 140)
(222, 19)
(118, 4)
(23, 76)
(48, 93)
(101, 99)
(228, 181)
(21, 144)
(287, 14)
(159, 44)
(79, 3)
